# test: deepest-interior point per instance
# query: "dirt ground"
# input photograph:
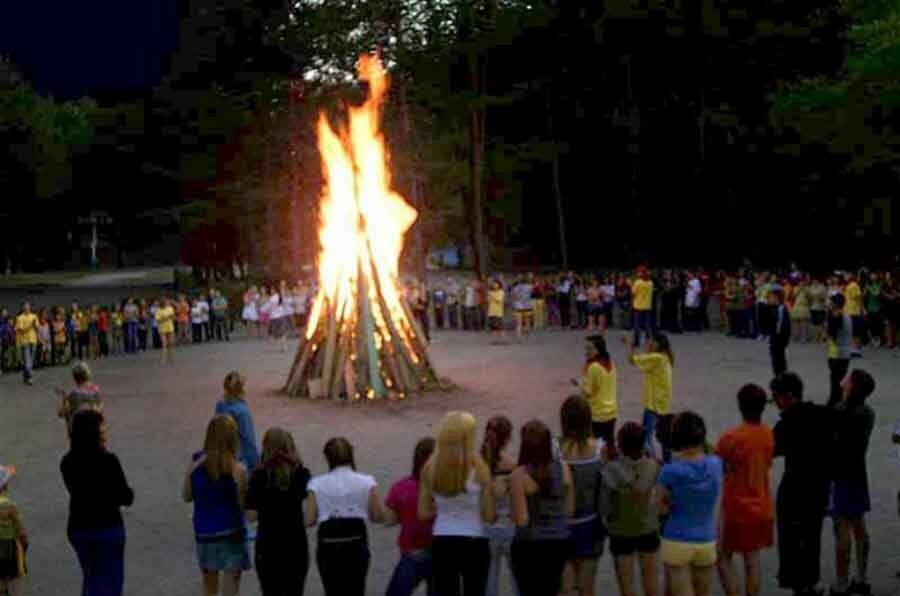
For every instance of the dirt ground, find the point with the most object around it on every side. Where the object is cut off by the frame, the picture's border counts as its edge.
(158, 415)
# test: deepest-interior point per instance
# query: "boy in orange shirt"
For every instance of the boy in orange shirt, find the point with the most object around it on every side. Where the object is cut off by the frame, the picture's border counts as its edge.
(748, 513)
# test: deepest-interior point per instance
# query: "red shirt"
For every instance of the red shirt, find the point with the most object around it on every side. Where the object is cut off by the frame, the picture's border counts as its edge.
(747, 453)
(103, 322)
(403, 499)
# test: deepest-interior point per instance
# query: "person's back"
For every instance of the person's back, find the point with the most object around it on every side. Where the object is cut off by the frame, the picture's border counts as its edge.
(277, 495)
(694, 487)
(628, 484)
(97, 489)
(546, 510)
(217, 507)
(238, 409)
(804, 437)
(460, 514)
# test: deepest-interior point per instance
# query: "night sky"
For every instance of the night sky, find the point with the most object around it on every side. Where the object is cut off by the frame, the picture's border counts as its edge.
(91, 47)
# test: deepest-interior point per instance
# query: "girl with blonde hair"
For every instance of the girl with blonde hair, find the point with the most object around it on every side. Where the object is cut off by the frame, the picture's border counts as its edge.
(275, 498)
(457, 492)
(216, 482)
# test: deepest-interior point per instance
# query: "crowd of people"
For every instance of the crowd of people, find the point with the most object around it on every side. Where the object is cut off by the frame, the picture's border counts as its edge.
(659, 494)
(675, 302)
(58, 335)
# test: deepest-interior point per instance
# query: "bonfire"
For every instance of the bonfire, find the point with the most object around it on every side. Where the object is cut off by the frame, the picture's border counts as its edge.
(361, 340)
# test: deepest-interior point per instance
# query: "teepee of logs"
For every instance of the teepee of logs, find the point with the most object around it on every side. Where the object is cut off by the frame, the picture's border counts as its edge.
(361, 340)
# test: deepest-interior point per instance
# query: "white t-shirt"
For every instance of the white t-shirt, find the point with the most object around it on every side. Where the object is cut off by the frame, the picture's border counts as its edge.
(342, 493)
(692, 293)
(460, 515)
(470, 297)
(197, 313)
(609, 293)
(522, 296)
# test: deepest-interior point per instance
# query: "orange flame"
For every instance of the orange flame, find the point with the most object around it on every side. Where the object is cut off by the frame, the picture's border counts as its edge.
(362, 221)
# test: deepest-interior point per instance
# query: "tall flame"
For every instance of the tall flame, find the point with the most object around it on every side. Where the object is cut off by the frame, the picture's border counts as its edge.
(362, 221)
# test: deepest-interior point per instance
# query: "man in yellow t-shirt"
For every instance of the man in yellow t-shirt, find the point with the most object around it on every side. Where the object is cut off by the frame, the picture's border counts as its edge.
(496, 298)
(642, 304)
(854, 309)
(27, 339)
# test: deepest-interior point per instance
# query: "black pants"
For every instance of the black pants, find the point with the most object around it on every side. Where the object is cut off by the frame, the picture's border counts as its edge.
(197, 332)
(283, 573)
(605, 430)
(837, 370)
(778, 352)
(439, 317)
(83, 343)
(221, 328)
(704, 313)
(103, 337)
(422, 316)
(538, 566)
(565, 311)
(343, 566)
(461, 565)
(799, 548)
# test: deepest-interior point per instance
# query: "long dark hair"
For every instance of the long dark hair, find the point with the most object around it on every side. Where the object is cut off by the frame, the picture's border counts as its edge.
(602, 357)
(575, 420)
(423, 451)
(87, 432)
(536, 452)
(661, 341)
(496, 437)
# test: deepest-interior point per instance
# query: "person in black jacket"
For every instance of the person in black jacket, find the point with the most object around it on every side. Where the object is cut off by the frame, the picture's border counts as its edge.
(97, 489)
(804, 438)
(780, 335)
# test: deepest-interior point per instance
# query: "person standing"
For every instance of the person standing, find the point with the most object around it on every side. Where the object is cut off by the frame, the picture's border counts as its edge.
(584, 455)
(839, 332)
(748, 514)
(543, 499)
(216, 483)
(564, 298)
(165, 322)
(853, 297)
(818, 300)
(804, 438)
(97, 492)
(656, 368)
(275, 497)
(340, 503)
(642, 305)
(800, 312)
(13, 539)
(496, 304)
(692, 297)
(500, 533)
(780, 335)
(197, 321)
(873, 307)
(220, 315)
(599, 386)
(523, 304)
(130, 314)
(632, 520)
(234, 405)
(688, 490)
(26, 340)
(439, 297)
(402, 507)
(85, 396)
(59, 337)
(854, 420)
(457, 492)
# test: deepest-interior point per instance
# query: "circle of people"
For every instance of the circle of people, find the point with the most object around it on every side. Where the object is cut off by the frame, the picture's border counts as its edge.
(657, 494)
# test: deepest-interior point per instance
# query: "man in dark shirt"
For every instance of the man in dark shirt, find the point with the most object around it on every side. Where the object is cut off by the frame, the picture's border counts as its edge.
(853, 423)
(804, 438)
(780, 336)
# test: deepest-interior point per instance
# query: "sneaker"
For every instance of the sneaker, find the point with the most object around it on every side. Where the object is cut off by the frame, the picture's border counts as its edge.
(860, 587)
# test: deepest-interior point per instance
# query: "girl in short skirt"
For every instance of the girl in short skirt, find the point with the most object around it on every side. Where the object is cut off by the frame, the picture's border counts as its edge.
(216, 483)
(250, 314)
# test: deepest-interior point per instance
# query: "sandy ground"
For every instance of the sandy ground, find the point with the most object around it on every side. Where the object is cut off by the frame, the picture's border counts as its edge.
(158, 416)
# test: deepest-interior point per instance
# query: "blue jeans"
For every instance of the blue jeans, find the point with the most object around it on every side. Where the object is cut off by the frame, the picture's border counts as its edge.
(412, 569)
(501, 543)
(642, 320)
(130, 337)
(101, 554)
(27, 360)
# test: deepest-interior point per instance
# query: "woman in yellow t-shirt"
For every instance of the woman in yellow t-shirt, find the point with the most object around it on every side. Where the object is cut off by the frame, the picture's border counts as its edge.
(656, 368)
(165, 321)
(496, 298)
(599, 387)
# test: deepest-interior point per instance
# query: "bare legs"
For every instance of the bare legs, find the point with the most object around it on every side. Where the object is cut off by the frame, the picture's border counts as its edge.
(648, 568)
(231, 583)
(728, 576)
(850, 533)
(690, 580)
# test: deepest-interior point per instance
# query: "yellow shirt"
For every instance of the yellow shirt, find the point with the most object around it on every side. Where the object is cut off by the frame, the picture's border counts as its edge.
(495, 303)
(642, 294)
(854, 297)
(657, 388)
(165, 317)
(26, 329)
(599, 387)
(81, 321)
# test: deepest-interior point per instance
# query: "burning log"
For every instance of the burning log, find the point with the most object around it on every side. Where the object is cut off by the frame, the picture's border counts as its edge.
(361, 340)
